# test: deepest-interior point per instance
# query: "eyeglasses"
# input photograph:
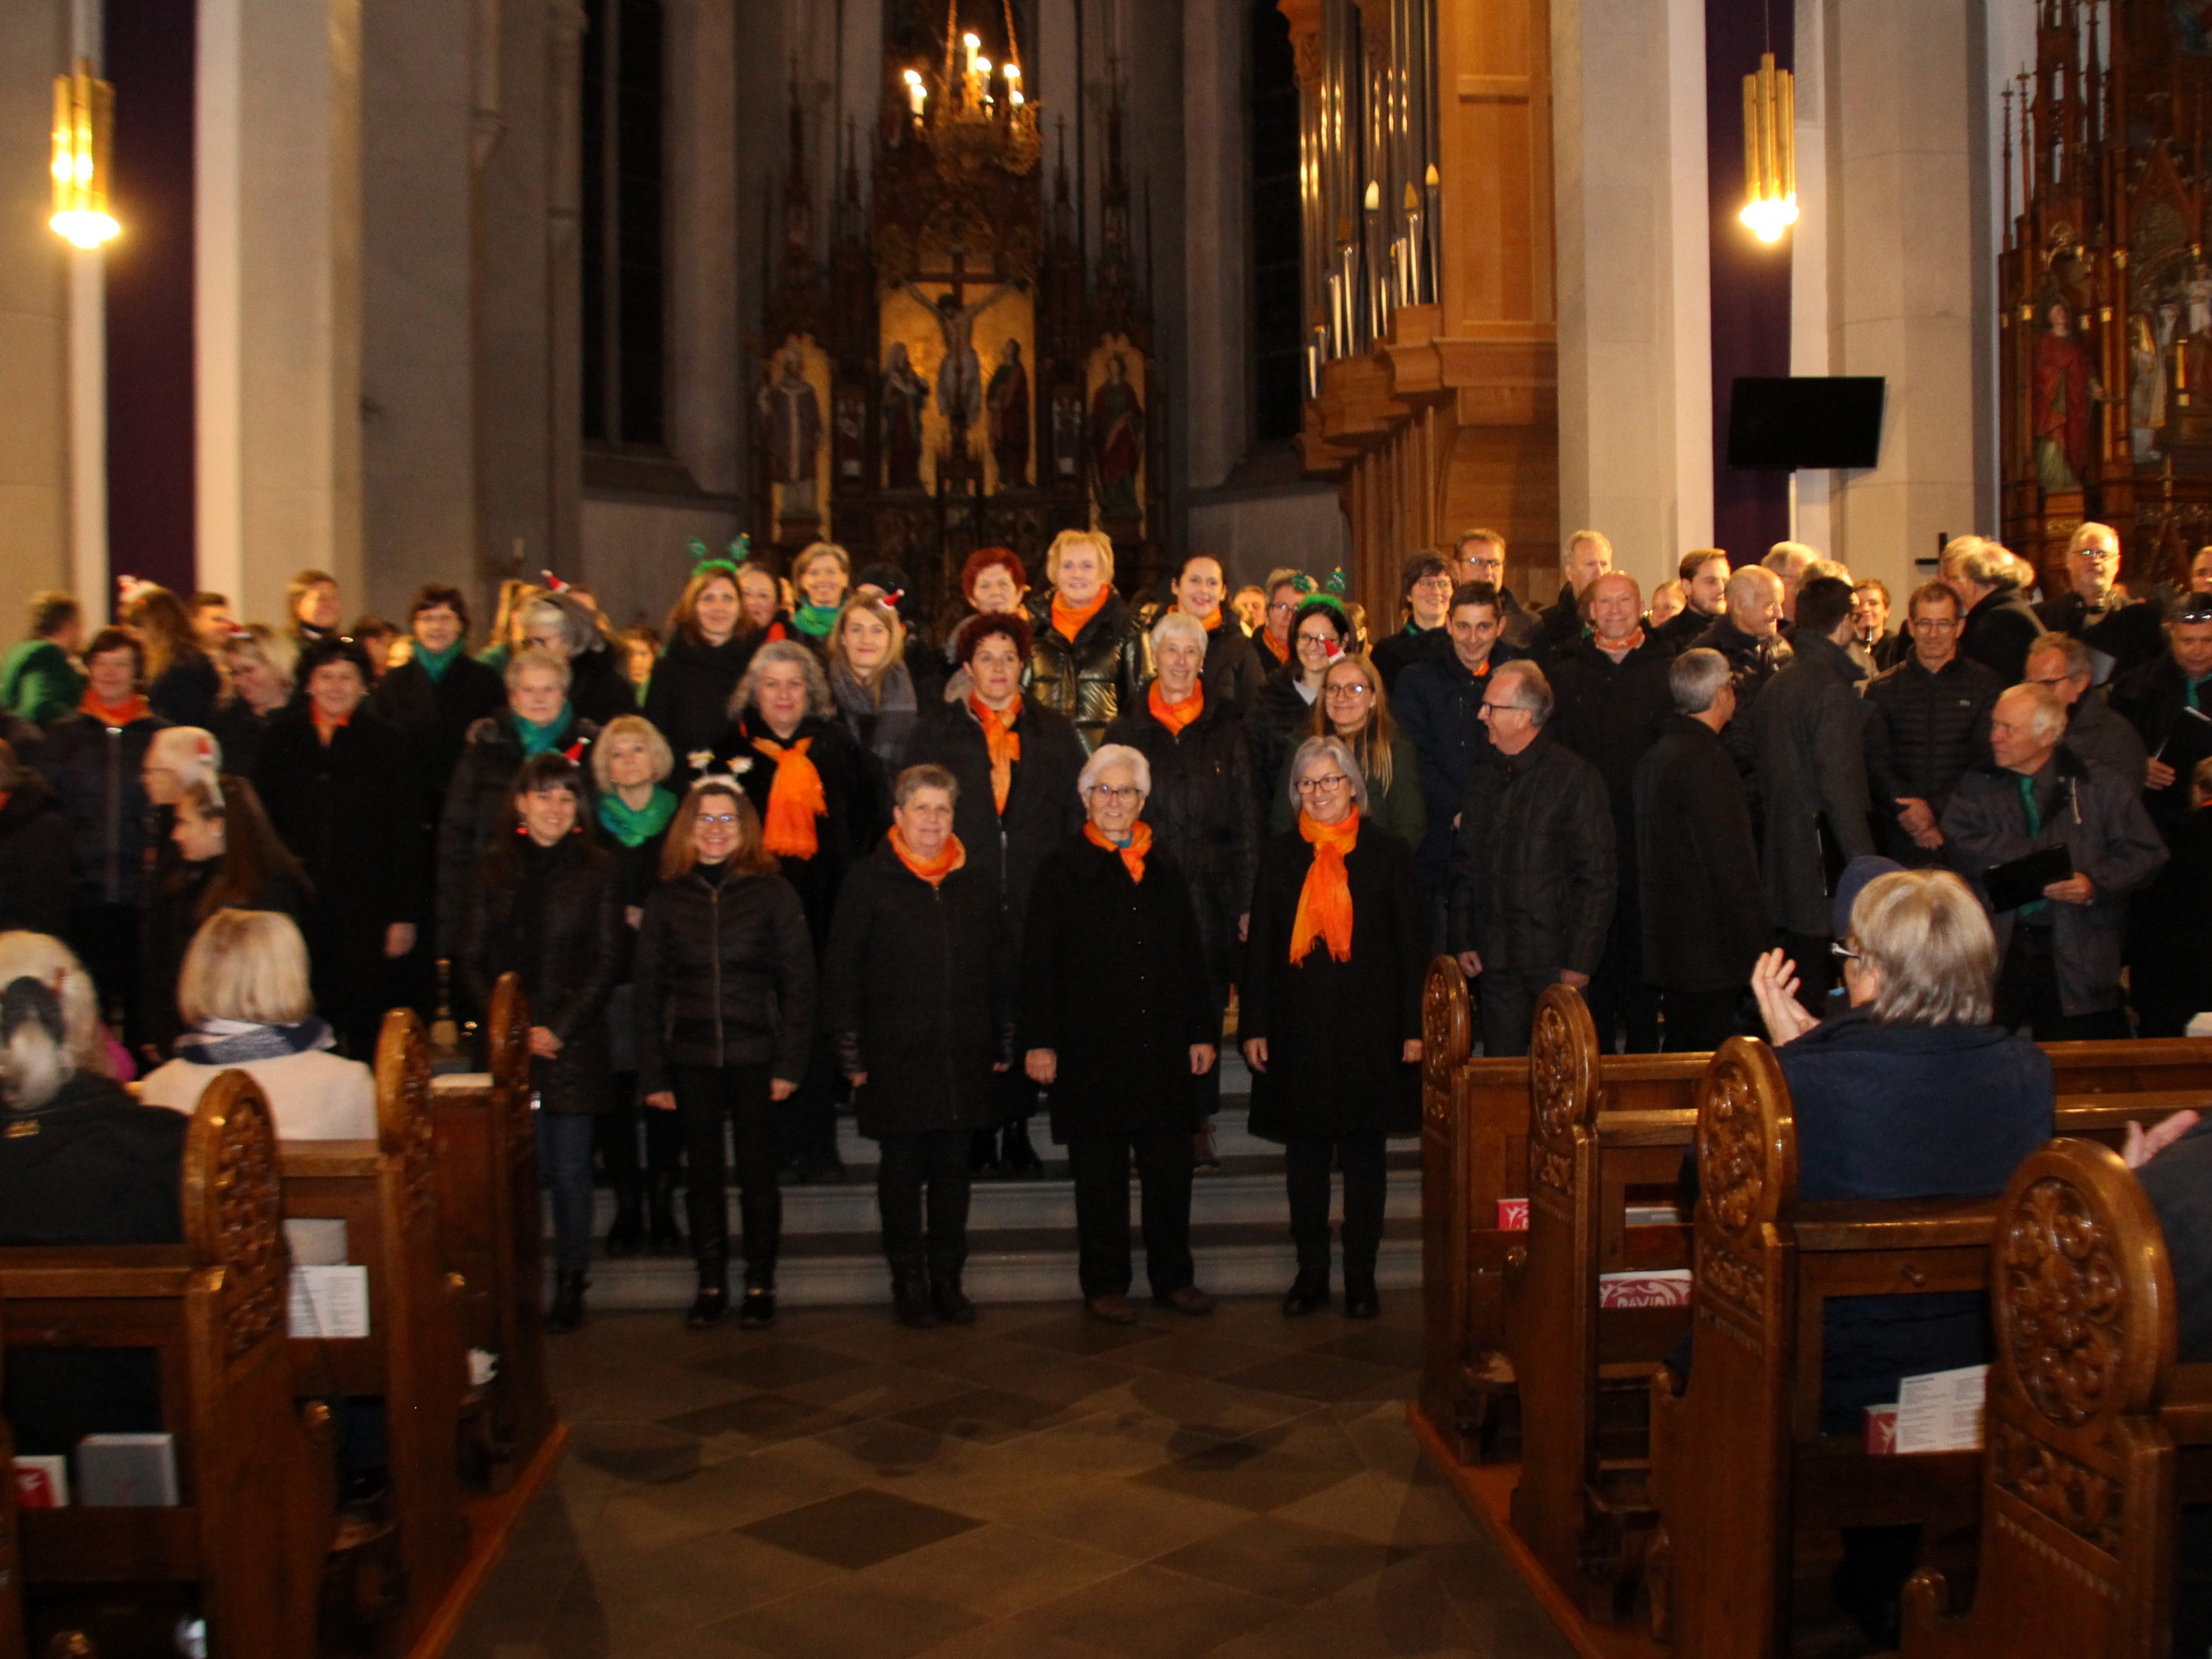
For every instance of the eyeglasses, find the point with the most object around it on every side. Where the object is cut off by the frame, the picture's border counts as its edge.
(1348, 688)
(1490, 708)
(1842, 952)
(1317, 786)
(1317, 639)
(1433, 584)
(1117, 794)
(1934, 624)
(1281, 610)
(719, 820)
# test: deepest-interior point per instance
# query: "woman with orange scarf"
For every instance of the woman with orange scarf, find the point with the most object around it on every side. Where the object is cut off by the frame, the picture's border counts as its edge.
(1090, 662)
(915, 995)
(1118, 1022)
(820, 801)
(1331, 1015)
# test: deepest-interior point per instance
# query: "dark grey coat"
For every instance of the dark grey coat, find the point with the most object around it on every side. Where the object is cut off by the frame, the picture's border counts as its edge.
(1704, 923)
(1808, 741)
(1534, 880)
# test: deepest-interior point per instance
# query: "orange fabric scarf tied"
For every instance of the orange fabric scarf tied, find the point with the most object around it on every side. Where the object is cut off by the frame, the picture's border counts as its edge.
(932, 871)
(1004, 743)
(1132, 855)
(134, 707)
(1267, 642)
(795, 799)
(1176, 716)
(1324, 915)
(1068, 619)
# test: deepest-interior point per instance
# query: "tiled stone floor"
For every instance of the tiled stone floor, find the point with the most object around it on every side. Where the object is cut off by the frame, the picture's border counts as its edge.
(1040, 1485)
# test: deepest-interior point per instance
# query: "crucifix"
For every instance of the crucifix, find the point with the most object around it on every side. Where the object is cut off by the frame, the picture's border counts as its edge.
(960, 381)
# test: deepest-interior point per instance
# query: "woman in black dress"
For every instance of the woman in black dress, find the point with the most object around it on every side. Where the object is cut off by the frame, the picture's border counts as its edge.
(1331, 1016)
(545, 908)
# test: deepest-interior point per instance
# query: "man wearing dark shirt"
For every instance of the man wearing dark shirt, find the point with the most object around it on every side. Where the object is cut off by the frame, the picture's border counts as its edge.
(1928, 721)
(2097, 610)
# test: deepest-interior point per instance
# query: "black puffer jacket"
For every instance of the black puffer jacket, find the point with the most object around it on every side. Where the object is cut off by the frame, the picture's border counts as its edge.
(1922, 732)
(1533, 873)
(915, 992)
(480, 807)
(35, 842)
(553, 917)
(725, 976)
(94, 768)
(1096, 676)
(690, 697)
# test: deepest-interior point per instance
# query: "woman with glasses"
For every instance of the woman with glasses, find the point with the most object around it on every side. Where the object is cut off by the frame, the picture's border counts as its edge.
(1331, 1016)
(725, 997)
(1425, 591)
(1355, 709)
(1119, 1022)
(1287, 705)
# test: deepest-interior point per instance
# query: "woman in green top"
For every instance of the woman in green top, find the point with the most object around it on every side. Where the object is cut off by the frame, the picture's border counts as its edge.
(1353, 706)
(41, 681)
(822, 573)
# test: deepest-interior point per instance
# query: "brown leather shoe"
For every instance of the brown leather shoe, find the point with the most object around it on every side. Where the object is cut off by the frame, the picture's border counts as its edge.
(1189, 1300)
(1113, 1310)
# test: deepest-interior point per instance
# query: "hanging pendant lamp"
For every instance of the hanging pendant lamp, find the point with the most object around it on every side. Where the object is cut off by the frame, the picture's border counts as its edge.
(1769, 151)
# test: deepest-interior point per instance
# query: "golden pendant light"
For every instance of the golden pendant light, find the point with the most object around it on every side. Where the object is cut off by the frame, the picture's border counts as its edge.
(84, 132)
(1769, 151)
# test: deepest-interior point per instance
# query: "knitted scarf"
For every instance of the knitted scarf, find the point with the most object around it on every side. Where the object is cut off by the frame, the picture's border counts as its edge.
(132, 707)
(1176, 716)
(234, 1042)
(1132, 851)
(815, 620)
(795, 799)
(436, 663)
(1324, 913)
(635, 827)
(540, 739)
(1068, 620)
(932, 871)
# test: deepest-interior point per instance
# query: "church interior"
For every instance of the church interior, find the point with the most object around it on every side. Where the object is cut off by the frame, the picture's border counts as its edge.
(595, 293)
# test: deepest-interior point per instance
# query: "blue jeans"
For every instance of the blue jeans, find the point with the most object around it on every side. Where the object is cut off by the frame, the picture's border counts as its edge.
(564, 1163)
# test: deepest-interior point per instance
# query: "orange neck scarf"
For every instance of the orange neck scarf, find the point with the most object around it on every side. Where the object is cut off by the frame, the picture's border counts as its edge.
(135, 707)
(931, 871)
(1004, 743)
(1176, 716)
(1212, 620)
(1068, 619)
(1279, 652)
(327, 728)
(1132, 855)
(794, 799)
(1324, 914)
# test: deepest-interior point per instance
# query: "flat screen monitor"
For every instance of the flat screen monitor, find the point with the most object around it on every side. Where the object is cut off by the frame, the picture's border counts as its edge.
(1806, 421)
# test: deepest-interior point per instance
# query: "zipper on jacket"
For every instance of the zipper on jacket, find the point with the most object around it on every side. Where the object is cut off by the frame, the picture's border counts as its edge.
(715, 940)
(114, 881)
(945, 978)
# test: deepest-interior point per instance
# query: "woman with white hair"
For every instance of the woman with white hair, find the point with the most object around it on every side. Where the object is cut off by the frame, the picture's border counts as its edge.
(245, 1002)
(820, 809)
(1331, 1017)
(1119, 1022)
(563, 625)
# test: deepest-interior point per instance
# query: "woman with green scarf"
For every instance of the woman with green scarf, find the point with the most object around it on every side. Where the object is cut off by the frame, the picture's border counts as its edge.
(631, 763)
(823, 573)
(538, 719)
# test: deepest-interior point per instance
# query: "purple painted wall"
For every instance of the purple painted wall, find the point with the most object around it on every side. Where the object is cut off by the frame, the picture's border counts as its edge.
(1750, 279)
(151, 53)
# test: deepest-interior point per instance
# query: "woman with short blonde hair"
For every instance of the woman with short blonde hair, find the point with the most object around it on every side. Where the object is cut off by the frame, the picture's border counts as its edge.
(1090, 662)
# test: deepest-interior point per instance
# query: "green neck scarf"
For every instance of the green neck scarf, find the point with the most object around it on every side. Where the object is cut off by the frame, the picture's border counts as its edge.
(537, 739)
(2193, 689)
(814, 620)
(636, 828)
(436, 663)
(2036, 907)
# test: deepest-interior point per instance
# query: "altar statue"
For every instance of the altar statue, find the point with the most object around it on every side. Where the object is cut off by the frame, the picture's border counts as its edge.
(960, 379)
(1008, 399)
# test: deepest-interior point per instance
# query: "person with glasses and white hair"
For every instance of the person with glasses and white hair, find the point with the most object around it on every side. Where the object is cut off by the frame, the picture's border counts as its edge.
(1118, 1022)
(1331, 1017)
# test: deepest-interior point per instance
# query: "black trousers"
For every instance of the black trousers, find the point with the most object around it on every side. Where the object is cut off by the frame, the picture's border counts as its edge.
(1619, 1001)
(2027, 994)
(1698, 1021)
(1306, 1164)
(706, 1099)
(938, 1159)
(1508, 1002)
(1100, 1165)
(105, 939)
(616, 1135)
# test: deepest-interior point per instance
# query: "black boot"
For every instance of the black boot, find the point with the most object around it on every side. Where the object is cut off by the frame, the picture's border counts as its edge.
(1360, 1299)
(1015, 1151)
(710, 1242)
(666, 1237)
(952, 1308)
(1307, 1294)
(910, 1304)
(568, 1310)
(713, 1298)
(628, 1229)
(983, 1154)
(758, 1310)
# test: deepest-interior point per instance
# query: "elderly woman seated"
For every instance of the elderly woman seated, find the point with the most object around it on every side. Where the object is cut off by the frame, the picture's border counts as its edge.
(245, 1003)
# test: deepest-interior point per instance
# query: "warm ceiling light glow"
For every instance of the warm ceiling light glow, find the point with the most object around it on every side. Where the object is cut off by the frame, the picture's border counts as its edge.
(1769, 151)
(84, 124)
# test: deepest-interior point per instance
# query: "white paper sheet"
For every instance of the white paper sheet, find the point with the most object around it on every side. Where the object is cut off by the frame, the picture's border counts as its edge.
(1942, 1411)
(330, 1302)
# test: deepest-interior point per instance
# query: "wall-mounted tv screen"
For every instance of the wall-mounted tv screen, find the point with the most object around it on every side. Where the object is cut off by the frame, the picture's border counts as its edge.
(1806, 421)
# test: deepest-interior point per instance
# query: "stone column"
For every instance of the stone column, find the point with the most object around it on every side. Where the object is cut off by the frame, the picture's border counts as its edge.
(564, 280)
(707, 378)
(1217, 221)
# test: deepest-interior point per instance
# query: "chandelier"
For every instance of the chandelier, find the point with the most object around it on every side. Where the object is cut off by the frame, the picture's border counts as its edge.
(84, 132)
(1769, 151)
(978, 112)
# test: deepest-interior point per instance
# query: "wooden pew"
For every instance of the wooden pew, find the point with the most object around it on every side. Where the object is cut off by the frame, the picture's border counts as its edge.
(12, 1641)
(2091, 1428)
(491, 1224)
(385, 1192)
(254, 1472)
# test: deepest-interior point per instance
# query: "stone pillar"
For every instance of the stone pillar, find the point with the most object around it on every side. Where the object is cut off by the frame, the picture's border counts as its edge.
(707, 378)
(562, 67)
(1217, 221)
(278, 305)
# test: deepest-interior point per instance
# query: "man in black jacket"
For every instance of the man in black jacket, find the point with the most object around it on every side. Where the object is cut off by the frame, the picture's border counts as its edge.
(1480, 557)
(1808, 736)
(1998, 626)
(1704, 923)
(2097, 610)
(1703, 573)
(1750, 636)
(2169, 702)
(1611, 698)
(2066, 664)
(1587, 555)
(1533, 878)
(1928, 721)
(1425, 589)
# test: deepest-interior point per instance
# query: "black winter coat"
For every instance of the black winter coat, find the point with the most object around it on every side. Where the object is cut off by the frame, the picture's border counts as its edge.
(1533, 882)
(1279, 720)
(1997, 632)
(1809, 735)
(690, 696)
(1435, 704)
(1203, 817)
(2179, 1183)
(599, 688)
(2130, 635)
(916, 995)
(2155, 700)
(1097, 675)
(1113, 982)
(36, 840)
(1923, 732)
(1336, 1032)
(2102, 737)
(553, 917)
(855, 821)
(348, 812)
(177, 902)
(1393, 656)
(436, 715)
(725, 976)
(242, 732)
(1751, 663)
(1705, 921)
(1042, 808)
(184, 693)
(1232, 666)
(480, 808)
(1610, 713)
(1682, 631)
(94, 770)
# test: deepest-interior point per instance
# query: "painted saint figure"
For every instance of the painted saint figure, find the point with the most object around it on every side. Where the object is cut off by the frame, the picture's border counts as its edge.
(906, 394)
(1008, 400)
(2066, 388)
(1117, 442)
(794, 432)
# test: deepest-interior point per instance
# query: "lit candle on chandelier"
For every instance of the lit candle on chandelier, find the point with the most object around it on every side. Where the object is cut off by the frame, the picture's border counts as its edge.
(916, 94)
(971, 44)
(1013, 73)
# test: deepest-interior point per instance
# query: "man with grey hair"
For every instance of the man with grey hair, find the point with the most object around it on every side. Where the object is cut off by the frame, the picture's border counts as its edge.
(1587, 555)
(2065, 663)
(2062, 946)
(1533, 864)
(1750, 636)
(1998, 625)
(1790, 562)
(2096, 609)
